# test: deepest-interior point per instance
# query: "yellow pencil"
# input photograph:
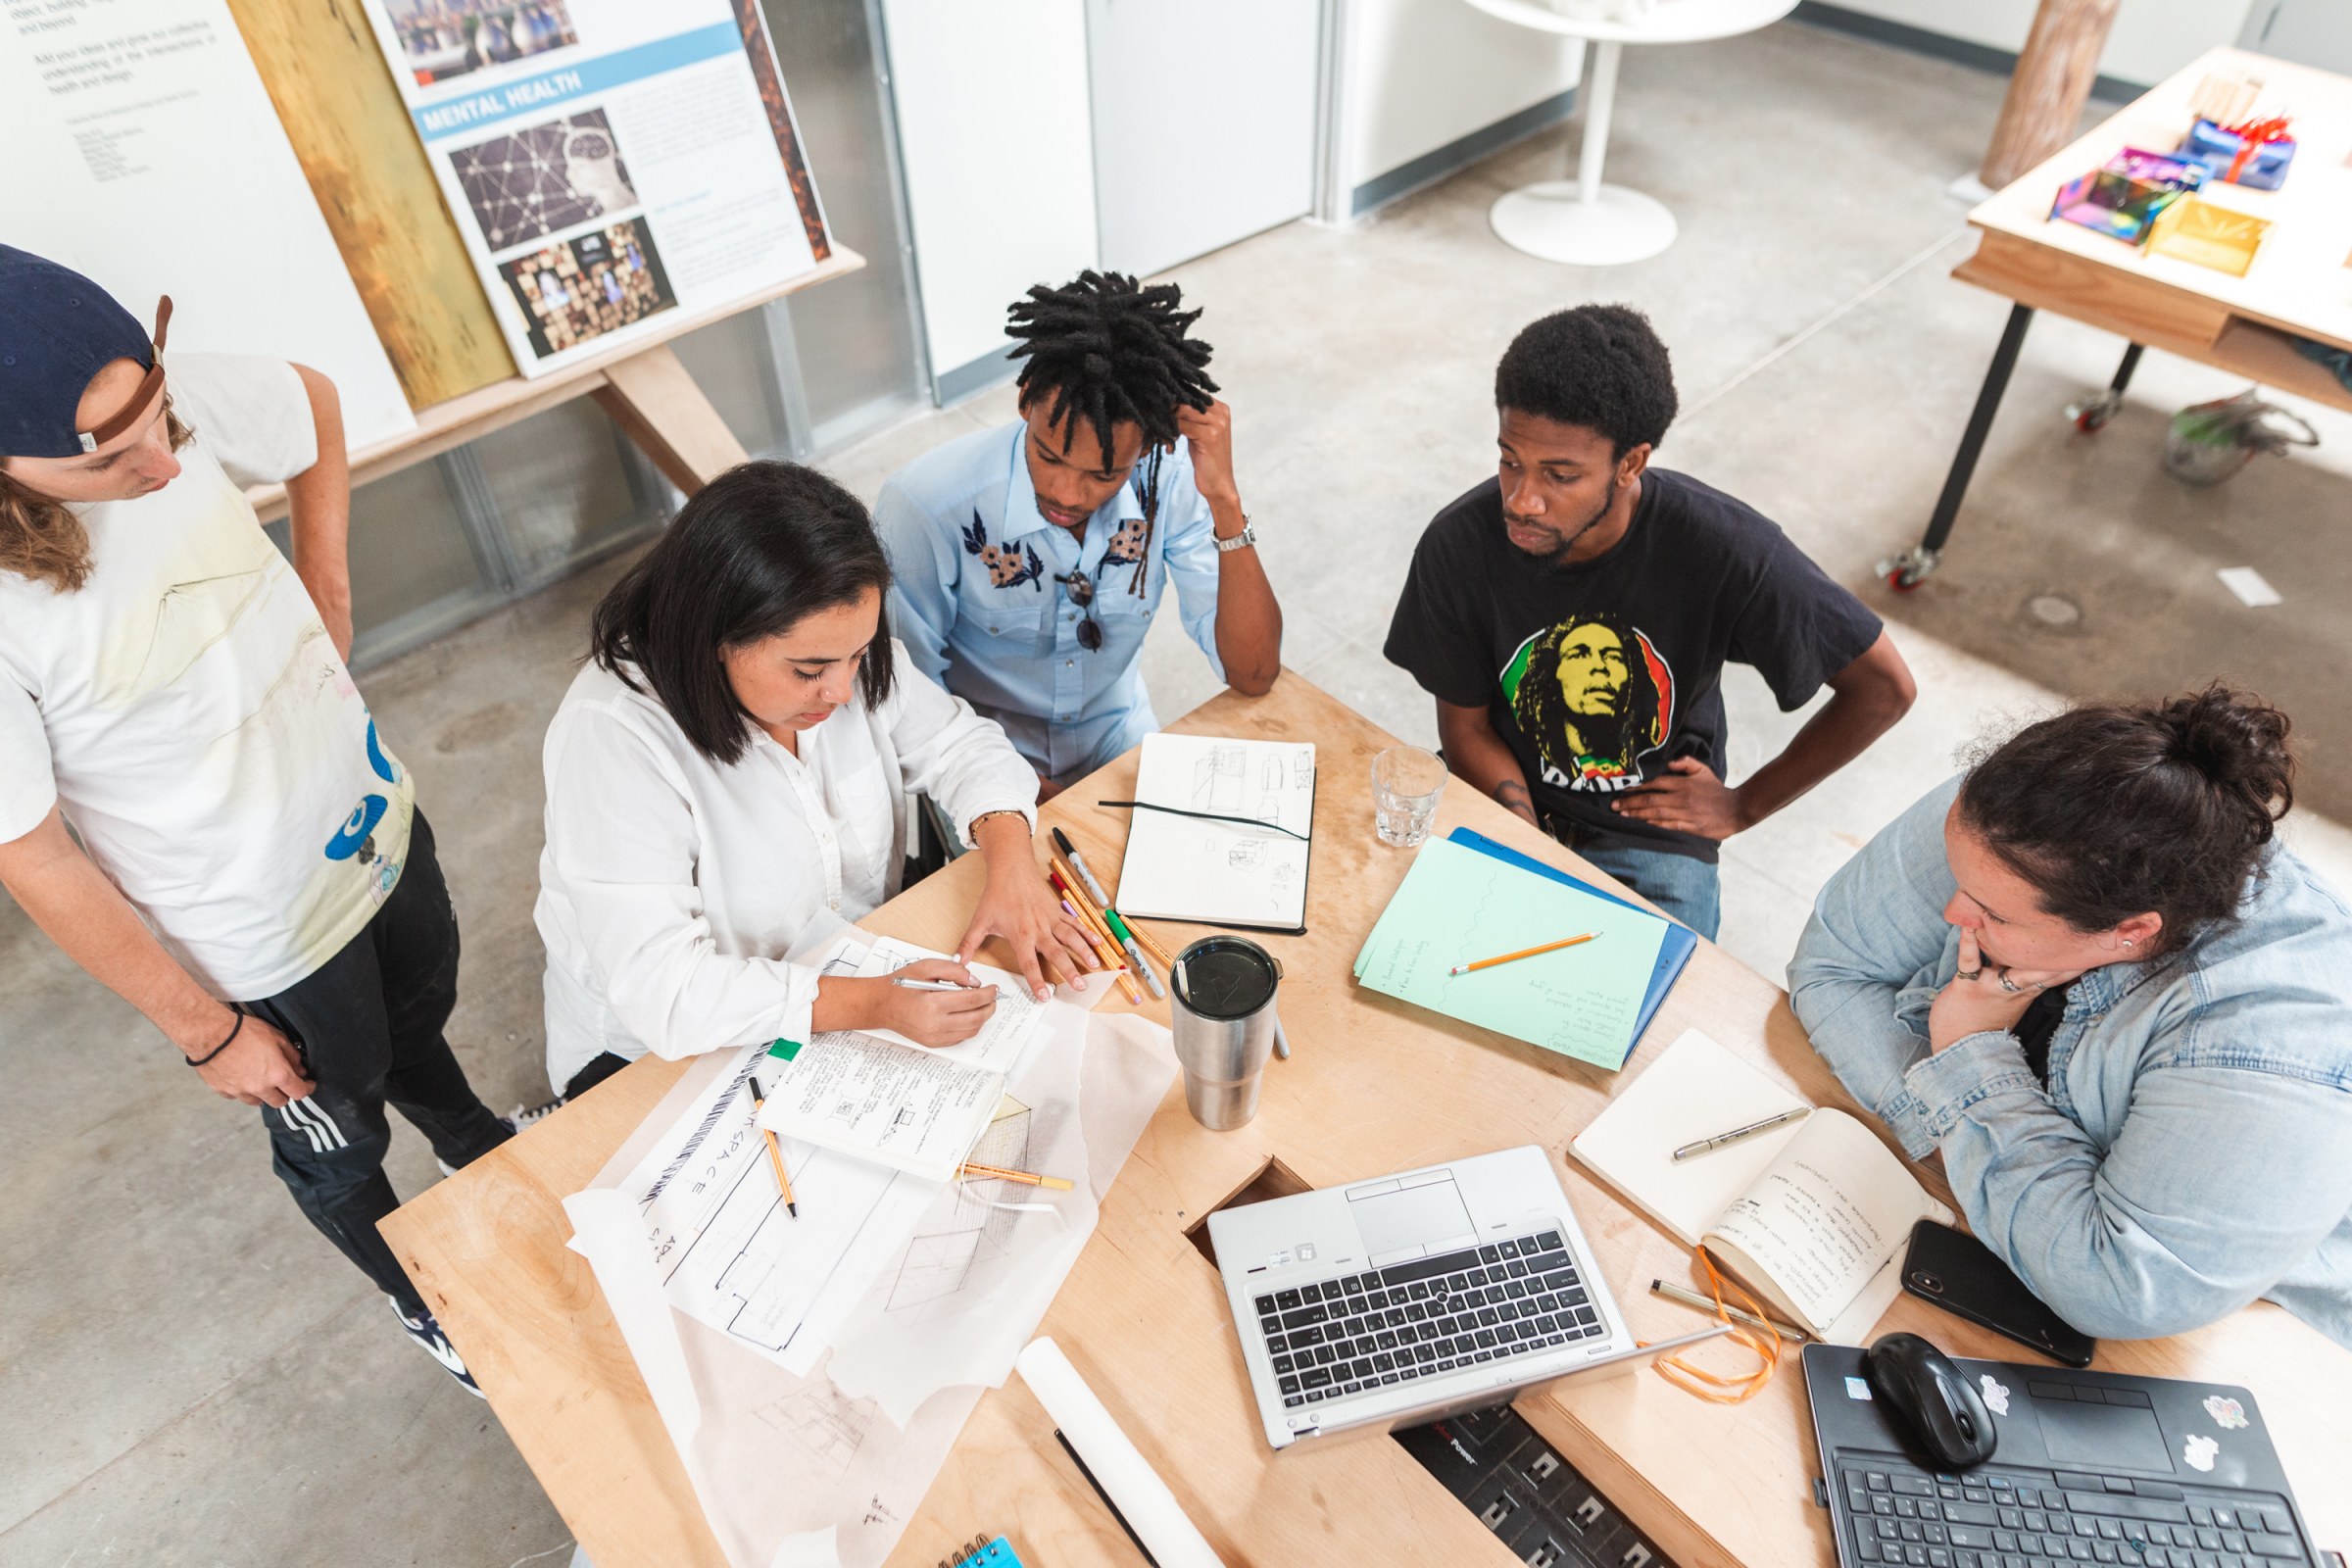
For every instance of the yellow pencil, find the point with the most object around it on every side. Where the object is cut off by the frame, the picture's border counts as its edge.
(1024, 1177)
(775, 1155)
(1523, 953)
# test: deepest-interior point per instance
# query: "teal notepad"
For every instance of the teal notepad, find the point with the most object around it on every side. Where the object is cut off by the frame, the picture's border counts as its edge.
(1457, 906)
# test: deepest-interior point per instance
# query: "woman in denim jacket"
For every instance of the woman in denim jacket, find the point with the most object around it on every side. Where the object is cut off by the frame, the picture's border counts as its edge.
(2087, 973)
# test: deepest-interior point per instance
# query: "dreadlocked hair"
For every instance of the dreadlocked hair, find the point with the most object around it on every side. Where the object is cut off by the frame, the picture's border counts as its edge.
(1108, 352)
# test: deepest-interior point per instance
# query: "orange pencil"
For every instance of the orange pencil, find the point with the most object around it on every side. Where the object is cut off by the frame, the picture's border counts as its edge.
(1150, 946)
(775, 1155)
(1092, 917)
(1523, 953)
(1098, 934)
(1027, 1178)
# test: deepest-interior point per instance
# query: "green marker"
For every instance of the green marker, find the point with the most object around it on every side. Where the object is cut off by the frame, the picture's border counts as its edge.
(1135, 954)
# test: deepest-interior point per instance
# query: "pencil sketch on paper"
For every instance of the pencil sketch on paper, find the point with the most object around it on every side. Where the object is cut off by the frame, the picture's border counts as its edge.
(1218, 779)
(941, 1263)
(824, 1424)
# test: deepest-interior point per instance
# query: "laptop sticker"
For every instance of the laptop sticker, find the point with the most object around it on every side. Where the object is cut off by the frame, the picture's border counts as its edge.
(1996, 1397)
(2227, 1413)
(1857, 1389)
(2198, 1450)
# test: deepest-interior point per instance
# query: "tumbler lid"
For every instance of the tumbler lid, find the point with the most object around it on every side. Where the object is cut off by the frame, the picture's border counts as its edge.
(1227, 977)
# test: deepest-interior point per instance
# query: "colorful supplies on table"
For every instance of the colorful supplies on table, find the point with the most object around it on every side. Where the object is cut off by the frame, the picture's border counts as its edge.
(2197, 230)
(2124, 198)
(2254, 153)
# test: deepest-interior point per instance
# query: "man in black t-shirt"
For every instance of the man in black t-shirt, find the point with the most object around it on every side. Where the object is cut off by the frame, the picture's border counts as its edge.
(1573, 619)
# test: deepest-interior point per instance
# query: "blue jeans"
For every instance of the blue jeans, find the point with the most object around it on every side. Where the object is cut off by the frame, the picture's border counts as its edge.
(1687, 889)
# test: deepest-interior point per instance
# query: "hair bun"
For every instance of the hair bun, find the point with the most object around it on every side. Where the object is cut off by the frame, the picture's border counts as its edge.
(2238, 742)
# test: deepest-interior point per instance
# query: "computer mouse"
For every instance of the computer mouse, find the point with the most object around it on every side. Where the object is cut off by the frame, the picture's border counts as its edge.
(1931, 1400)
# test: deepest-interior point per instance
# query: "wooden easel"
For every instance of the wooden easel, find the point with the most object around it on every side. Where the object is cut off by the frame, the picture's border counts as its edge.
(335, 96)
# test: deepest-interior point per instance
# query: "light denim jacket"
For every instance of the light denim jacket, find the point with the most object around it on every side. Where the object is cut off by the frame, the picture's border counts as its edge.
(2193, 1149)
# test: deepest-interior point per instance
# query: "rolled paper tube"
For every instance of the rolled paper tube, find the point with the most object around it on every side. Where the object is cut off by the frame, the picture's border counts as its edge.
(1125, 1475)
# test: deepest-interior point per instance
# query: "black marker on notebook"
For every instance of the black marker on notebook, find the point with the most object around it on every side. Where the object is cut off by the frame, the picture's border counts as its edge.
(1070, 852)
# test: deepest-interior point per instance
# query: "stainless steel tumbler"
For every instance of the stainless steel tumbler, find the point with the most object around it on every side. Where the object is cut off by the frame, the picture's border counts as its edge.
(1222, 1007)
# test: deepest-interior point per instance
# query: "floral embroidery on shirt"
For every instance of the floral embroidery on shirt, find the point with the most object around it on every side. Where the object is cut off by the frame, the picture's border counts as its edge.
(1126, 547)
(1008, 567)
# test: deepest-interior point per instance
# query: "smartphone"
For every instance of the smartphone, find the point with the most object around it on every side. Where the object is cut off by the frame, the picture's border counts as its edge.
(1960, 1274)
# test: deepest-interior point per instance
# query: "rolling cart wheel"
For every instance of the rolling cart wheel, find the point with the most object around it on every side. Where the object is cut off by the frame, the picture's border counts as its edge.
(1906, 572)
(2090, 414)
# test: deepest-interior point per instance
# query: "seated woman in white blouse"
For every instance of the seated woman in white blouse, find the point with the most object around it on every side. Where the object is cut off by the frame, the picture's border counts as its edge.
(727, 788)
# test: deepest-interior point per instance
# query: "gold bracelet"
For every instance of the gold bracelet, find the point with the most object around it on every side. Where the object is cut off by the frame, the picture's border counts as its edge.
(972, 830)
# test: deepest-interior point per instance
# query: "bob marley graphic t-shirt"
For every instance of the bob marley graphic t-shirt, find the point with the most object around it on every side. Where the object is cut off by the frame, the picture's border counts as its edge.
(1601, 673)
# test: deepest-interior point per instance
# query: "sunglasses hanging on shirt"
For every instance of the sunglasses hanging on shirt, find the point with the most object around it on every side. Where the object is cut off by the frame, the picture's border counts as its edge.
(1082, 594)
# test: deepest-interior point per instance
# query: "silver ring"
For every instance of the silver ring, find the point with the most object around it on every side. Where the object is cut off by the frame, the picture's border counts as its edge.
(1969, 974)
(2008, 985)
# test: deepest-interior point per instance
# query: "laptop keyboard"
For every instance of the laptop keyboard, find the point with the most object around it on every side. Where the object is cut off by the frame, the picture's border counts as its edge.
(1895, 1513)
(1424, 1317)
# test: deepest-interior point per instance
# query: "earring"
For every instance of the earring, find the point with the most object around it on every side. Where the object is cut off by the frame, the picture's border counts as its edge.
(2128, 943)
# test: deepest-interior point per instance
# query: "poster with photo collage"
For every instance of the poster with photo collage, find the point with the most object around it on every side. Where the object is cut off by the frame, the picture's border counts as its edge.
(610, 164)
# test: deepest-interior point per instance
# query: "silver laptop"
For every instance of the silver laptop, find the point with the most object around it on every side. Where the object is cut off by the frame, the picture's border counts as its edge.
(1402, 1300)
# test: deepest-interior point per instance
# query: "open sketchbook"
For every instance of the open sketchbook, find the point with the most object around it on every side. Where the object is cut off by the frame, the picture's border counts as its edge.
(1235, 873)
(881, 1097)
(1813, 1216)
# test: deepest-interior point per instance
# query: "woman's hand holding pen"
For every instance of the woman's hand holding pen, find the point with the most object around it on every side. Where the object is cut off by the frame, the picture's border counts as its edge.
(947, 1011)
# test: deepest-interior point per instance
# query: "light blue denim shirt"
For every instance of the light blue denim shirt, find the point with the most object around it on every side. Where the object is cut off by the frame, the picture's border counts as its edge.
(2193, 1149)
(975, 601)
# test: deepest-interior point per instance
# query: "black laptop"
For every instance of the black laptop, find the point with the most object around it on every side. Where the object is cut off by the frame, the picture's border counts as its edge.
(2091, 1467)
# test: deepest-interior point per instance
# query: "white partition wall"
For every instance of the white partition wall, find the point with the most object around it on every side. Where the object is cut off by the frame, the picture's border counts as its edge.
(1429, 86)
(1205, 123)
(996, 141)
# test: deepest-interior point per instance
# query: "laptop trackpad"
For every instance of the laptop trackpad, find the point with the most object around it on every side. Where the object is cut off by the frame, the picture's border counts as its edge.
(1414, 1217)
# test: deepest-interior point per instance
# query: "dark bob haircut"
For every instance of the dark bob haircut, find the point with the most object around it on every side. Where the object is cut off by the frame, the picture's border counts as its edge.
(756, 551)
(1597, 366)
(2113, 810)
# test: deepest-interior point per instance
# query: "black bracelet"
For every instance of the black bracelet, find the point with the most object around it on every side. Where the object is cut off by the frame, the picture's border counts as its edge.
(198, 1061)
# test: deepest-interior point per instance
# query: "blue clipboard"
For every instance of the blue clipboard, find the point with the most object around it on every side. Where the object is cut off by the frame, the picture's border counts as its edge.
(1673, 953)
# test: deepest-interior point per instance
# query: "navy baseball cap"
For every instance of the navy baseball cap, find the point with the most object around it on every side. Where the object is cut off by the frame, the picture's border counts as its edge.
(57, 330)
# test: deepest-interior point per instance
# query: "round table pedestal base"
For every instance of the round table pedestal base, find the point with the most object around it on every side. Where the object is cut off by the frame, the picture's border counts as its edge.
(1549, 220)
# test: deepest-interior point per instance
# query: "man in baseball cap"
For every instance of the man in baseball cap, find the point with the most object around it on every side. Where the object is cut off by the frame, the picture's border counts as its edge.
(252, 871)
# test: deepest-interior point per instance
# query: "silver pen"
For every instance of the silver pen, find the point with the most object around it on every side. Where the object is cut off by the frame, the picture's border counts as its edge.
(1675, 1293)
(1707, 1146)
(931, 985)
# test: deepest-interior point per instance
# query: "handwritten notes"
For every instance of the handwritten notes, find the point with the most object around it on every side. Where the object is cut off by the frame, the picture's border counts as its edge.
(1457, 906)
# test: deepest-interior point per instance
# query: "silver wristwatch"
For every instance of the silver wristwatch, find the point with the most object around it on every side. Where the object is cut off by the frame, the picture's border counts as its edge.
(1240, 541)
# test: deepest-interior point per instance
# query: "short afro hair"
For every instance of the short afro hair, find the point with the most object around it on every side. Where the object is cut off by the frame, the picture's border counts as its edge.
(1597, 366)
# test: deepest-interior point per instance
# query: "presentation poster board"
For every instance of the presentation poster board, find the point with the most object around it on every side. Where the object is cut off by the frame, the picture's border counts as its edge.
(609, 162)
(141, 150)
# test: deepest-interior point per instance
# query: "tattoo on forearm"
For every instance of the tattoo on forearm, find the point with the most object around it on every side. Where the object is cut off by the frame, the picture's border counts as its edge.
(1512, 794)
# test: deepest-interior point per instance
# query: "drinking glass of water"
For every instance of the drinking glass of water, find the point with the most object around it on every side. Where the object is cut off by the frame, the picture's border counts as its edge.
(1406, 782)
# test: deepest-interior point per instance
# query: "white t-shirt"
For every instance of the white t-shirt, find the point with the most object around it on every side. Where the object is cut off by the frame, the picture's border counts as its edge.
(189, 712)
(683, 904)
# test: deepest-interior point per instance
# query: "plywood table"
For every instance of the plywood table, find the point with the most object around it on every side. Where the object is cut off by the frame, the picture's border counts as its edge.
(1374, 1086)
(2300, 285)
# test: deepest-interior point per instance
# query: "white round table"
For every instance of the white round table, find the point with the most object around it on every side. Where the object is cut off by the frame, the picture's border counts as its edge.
(1581, 221)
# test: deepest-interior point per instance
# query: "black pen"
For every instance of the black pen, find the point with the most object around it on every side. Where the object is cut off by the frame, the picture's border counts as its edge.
(1069, 851)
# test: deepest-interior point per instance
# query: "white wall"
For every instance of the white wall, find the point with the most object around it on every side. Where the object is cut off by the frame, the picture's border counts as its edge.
(1420, 73)
(2152, 38)
(995, 137)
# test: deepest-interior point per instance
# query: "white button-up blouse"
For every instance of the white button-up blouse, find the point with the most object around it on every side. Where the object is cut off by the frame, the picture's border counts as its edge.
(681, 902)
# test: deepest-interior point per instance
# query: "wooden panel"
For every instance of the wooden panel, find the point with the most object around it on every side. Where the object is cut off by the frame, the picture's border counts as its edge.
(651, 398)
(1374, 1086)
(336, 98)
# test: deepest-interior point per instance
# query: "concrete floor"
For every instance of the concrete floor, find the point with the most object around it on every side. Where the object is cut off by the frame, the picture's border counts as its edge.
(190, 1375)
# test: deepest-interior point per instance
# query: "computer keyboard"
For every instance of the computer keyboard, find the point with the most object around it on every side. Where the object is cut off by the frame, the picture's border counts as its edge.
(1424, 1317)
(1892, 1512)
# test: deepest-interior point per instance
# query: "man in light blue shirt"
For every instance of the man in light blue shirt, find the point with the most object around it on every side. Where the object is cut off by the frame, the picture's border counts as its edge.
(1030, 559)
